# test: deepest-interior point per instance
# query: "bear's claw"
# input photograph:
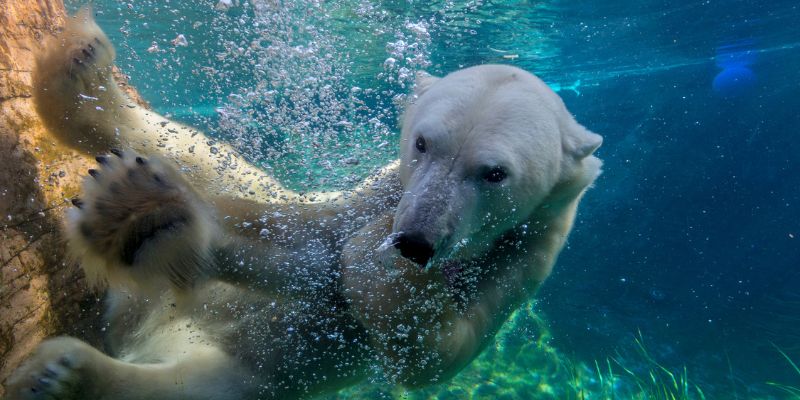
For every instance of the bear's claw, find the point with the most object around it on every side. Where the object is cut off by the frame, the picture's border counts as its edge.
(86, 55)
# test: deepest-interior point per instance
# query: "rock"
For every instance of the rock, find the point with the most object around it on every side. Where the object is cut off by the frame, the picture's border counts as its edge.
(41, 294)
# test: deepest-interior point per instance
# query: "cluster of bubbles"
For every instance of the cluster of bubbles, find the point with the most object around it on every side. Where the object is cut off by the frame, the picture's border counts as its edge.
(311, 104)
(329, 82)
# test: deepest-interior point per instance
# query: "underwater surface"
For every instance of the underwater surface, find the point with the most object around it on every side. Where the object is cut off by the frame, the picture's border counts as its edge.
(681, 278)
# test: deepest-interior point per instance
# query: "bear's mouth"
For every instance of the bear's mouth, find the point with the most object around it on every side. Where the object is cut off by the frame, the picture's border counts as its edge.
(145, 230)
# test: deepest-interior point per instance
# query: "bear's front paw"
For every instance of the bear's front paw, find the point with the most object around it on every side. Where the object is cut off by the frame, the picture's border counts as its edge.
(139, 219)
(84, 49)
(56, 370)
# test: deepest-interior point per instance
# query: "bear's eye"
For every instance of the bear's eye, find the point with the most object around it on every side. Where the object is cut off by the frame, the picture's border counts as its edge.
(495, 175)
(420, 144)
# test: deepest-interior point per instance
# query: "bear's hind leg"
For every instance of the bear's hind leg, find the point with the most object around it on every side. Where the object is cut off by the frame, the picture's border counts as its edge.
(139, 222)
(66, 368)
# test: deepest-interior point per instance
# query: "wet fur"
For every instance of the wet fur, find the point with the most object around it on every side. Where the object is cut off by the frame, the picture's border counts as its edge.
(227, 286)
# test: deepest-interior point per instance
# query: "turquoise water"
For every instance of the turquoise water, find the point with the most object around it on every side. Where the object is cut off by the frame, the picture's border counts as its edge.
(685, 256)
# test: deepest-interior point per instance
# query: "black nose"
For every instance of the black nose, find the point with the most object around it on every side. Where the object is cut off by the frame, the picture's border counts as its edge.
(415, 248)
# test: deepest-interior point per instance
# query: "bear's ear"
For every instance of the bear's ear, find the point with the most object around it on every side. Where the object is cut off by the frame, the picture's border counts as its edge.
(422, 82)
(581, 142)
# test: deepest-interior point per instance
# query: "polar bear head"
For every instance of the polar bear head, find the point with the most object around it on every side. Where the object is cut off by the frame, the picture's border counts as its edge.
(481, 150)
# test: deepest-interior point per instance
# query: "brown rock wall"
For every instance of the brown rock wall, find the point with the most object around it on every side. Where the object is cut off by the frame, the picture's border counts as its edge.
(41, 294)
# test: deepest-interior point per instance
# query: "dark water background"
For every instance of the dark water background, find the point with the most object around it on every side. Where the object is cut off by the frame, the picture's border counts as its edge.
(692, 234)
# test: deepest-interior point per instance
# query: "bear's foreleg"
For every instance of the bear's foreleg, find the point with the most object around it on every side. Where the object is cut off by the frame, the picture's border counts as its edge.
(80, 102)
(74, 89)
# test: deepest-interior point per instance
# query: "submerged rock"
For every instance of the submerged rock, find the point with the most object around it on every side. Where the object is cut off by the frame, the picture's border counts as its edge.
(41, 294)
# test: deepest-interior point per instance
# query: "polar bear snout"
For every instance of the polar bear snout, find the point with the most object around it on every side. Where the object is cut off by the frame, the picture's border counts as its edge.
(429, 215)
(415, 247)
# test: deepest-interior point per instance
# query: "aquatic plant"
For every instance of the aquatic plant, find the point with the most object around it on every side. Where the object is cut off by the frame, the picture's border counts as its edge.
(649, 380)
(792, 391)
(522, 364)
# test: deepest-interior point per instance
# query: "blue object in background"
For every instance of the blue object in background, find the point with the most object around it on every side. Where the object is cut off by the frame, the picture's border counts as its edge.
(734, 81)
(736, 78)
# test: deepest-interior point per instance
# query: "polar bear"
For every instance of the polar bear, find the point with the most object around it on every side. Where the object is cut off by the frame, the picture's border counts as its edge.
(223, 285)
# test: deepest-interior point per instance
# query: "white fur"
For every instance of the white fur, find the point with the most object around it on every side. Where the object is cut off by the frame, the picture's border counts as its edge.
(502, 239)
